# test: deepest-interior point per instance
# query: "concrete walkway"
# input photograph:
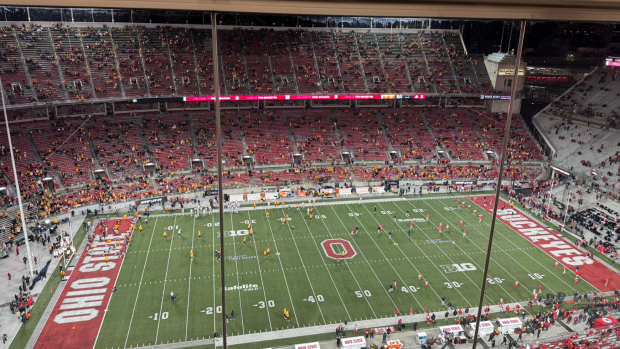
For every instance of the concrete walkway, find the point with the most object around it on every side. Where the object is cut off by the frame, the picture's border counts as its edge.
(14, 264)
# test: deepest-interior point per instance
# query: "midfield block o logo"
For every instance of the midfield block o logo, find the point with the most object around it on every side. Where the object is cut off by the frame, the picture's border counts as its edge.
(329, 246)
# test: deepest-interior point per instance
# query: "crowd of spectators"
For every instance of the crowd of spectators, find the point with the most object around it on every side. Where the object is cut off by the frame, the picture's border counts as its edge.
(595, 99)
(59, 62)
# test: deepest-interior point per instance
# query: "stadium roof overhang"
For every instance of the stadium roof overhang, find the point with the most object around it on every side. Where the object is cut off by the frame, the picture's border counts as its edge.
(574, 10)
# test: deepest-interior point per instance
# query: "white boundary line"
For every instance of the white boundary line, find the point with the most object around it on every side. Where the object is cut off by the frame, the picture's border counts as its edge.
(140, 284)
(163, 291)
(260, 273)
(232, 224)
(265, 207)
(110, 300)
(305, 269)
(189, 279)
(283, 273)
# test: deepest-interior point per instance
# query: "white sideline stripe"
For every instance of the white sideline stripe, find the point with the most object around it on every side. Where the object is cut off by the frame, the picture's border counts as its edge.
(316, 244)
(140, 284)
(163, 291)
(398, 275)
(260, 273)
(381, 285)
(238, 282)
(532, 258)
(305, 271)
(283, 273)
(473, 261)
(264, 207)
(359, 287)
(189, 282)
(413, 265)
(105, 312)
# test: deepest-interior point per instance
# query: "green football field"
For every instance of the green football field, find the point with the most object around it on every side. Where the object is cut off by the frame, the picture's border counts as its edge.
(300, 276)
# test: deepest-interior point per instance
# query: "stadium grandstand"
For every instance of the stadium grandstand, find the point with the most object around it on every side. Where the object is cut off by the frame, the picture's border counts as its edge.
(308, 181)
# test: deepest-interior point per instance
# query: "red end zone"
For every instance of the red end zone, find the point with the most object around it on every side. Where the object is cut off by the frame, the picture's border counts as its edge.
(553, 244)
(78, 314)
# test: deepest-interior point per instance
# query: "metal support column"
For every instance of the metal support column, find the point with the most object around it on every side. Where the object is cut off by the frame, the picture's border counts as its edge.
(513, 94)
(220, 189)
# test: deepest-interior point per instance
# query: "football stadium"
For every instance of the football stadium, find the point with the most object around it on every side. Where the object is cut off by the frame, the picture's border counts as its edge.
(272, 174)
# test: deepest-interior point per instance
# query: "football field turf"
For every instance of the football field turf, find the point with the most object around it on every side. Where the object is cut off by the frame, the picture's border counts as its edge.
(300, 276)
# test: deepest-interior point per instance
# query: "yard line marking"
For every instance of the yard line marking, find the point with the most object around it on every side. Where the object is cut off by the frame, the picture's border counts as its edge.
(324, 264)
(381, 286)
(347, 263)
(163, 291)
(189, 283)
(383, 254)
(260, 272)
(237, 271)
(532, 258)
(305, 271)
(140, 283)
(283, 273)
(409, 260)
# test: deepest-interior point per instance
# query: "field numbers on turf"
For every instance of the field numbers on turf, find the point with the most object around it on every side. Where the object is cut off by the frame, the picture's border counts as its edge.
(386, 212)
(410, 288)
(270, 303)
(447, 208)
(249, 221)
(536, 276)
(164, 316)
(319, 299)
(453, 284)
(320, 216)
(211, 225)
(417, 210)
(238, 232)
(209, 310)
(457, 268)
(361, 294)
(495, 281)
(354, 214)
